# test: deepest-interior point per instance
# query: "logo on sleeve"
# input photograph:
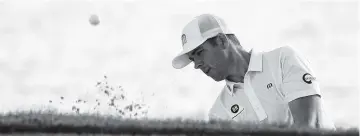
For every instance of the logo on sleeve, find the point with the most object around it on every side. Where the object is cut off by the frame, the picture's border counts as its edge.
(235, 108)
(308, 78)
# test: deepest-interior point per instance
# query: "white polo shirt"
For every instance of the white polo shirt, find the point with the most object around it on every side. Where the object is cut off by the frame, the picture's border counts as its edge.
(273, 79)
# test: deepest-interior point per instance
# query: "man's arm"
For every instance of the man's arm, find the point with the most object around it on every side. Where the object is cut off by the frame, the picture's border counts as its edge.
(301, 90)
(306, 111)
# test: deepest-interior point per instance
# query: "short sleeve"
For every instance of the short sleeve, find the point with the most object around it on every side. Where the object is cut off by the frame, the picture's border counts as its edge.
(298, 79)
(215, 115)
(217, 112)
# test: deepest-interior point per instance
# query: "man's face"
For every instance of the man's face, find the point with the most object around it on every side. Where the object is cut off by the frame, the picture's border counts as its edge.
(211, 59)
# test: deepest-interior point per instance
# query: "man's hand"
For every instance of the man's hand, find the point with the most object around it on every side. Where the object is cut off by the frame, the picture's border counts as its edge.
(306, 111)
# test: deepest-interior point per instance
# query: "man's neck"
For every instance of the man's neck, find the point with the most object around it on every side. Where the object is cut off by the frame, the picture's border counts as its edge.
(240, 60)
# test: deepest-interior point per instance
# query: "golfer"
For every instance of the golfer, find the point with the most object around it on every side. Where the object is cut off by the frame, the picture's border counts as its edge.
(274, 86)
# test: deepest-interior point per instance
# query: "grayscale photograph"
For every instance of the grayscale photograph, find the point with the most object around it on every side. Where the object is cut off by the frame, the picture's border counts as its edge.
(179, 67)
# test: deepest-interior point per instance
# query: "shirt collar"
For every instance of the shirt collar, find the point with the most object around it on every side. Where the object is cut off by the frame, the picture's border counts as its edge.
(256, 61)
(231, 86)
(255, 64)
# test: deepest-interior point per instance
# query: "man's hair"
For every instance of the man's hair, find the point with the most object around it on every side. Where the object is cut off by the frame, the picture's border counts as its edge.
(231, 37)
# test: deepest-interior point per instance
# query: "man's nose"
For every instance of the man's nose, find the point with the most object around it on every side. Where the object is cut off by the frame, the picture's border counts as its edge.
(198, 64)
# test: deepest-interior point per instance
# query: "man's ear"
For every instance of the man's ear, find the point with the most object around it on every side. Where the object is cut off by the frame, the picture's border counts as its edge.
(221, 41)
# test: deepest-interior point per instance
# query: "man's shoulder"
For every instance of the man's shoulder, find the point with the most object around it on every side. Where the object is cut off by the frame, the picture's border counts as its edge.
(291, 53)
(280, 53)
(287, 49)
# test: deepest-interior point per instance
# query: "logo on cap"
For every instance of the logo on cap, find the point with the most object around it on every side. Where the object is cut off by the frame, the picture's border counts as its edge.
(183, 39)
(235, 108)
(308, 78)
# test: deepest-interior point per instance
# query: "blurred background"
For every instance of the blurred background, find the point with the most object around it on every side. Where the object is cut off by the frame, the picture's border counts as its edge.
(48, 49)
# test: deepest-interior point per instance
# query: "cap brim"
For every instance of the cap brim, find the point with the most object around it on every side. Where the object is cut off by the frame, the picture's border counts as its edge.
(182, 59)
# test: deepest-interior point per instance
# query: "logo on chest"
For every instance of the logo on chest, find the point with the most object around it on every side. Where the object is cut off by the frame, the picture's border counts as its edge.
(234, 108)
(268, 86)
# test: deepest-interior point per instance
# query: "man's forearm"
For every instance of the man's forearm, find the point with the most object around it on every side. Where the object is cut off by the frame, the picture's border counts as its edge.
(306, 111)
(311, 121)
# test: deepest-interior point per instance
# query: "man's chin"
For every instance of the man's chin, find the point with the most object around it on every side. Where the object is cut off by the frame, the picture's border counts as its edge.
(217, 78)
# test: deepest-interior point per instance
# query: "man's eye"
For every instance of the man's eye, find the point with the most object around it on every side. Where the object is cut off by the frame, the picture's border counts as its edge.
(191, 58)
(199, 52)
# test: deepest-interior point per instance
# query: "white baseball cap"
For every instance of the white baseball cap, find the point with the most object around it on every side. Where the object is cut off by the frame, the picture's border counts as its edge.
(196, 32)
